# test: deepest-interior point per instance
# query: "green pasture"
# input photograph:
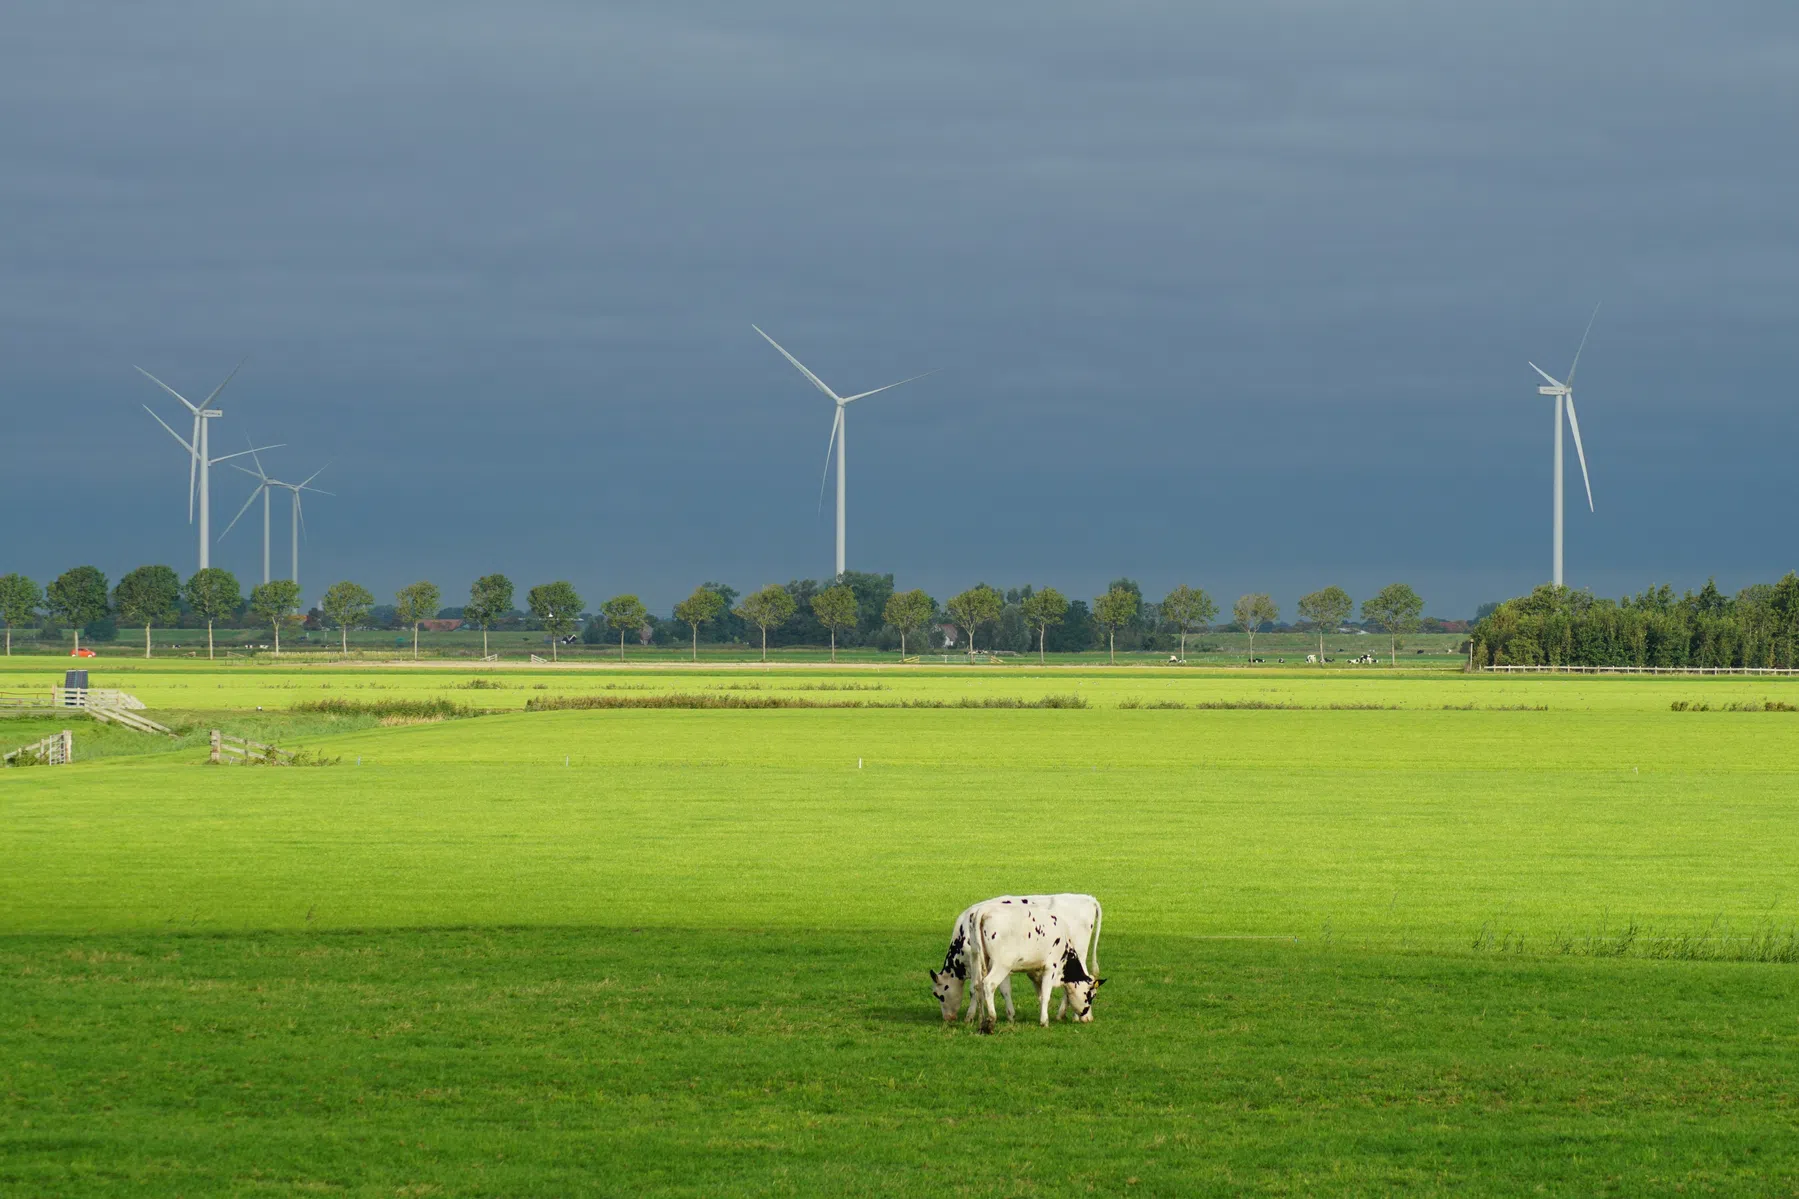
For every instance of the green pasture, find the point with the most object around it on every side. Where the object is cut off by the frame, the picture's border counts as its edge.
(1415, 931)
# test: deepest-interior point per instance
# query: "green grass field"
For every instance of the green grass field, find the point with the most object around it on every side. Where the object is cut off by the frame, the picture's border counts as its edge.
(1413, 931)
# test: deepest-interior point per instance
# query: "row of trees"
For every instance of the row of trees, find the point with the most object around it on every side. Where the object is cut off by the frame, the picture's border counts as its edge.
(1557, 626)
(856, 608)
(148, 596)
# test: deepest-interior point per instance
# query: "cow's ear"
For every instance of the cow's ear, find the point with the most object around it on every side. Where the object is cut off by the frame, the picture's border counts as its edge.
(935, 977)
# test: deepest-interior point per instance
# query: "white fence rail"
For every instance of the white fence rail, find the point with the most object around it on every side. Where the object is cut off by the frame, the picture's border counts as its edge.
(1753, 671)
(58, 749)
(229, 749)
(87, 697)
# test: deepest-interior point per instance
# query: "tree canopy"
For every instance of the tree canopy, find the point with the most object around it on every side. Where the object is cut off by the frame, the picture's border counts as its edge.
(908, 611)
(767, 608)
(20, 600)
(975, 607)
(416, 602)
(275, 602)
(147, 596)
(1113, 610)
(701, 607)
(1188, 609)
(213, 593)
(835, 608)
(77, 597)
(1395, 610)
(557, 607)
(625, 613)
(1324, 610)
(1252, 611)
(1041, 609)
(345, 604)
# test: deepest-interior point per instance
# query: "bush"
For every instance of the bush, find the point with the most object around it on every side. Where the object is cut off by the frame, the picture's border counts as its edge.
(439, 707)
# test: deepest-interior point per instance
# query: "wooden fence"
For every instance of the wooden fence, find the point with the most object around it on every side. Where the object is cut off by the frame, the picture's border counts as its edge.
(1697, 670)
(226, 748)
(94, 697)
(58, 749)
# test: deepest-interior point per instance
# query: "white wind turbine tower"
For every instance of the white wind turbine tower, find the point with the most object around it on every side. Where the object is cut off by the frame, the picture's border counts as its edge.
(1564, 395)
(838, 436)
(264, 485)
(199, 459)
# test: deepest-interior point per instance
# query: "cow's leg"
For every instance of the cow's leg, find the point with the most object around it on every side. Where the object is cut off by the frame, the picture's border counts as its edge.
(1046, 983)
(986, 1001)
(1006, 990)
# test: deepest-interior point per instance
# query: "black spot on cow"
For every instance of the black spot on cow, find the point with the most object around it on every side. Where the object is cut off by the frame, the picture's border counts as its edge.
(1020, 901)
(953, 962)
(1072, 970)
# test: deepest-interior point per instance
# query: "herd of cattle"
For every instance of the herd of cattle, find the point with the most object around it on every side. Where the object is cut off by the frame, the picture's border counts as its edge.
(1054, 939)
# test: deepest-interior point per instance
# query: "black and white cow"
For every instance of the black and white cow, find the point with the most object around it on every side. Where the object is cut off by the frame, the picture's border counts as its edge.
(1079, 915)
(1009, 938)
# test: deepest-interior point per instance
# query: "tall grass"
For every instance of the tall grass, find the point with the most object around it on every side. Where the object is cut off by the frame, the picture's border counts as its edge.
(424, 708)
(1718, 942)
(1747, 705)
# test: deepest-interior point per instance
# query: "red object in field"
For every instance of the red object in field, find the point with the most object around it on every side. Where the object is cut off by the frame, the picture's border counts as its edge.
(82, 653)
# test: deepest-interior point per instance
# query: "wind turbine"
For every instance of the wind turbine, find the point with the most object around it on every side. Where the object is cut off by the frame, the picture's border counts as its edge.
(264, 485)
(1564, 394)
(200, 461)
(838, 436)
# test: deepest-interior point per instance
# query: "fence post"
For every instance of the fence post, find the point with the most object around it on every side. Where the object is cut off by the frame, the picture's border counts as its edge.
(215, 747)
(68, 747)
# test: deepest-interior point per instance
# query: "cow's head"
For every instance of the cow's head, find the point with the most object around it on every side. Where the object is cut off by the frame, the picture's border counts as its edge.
(1080, 997)
(947, 989)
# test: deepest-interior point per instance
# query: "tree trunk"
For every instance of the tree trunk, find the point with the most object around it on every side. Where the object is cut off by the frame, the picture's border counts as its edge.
(555, 643)
(343, 637)
(696, 643)
(9, 640)
(1393, 649)
(902, 643)
(277, 627)
(77, 652)
(1252, 645)
(146, 640)
(1183, 644)
(1111, 647)
(483, 641)
(1321, 645)
(415, 641)
(833, 643)
(765, 643)
(621, 645)
(1042, 632)
(209, 638)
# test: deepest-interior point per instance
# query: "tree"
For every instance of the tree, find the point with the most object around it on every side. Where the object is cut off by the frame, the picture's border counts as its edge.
(213, 593)
(1188, 609)
(77, 597)
(489, 598)
(835, 608)
(275, 602)
(557, 607)
(19, 603)
(147, 596)
(1252, 611)
(347, 603)
(624, 613)
(416, 602)
(1041, 610)
(973, 608)
(766, 609)
(908, 611)
(1114, 610)
(702, 606)
(1325, 610)
(1395, 608)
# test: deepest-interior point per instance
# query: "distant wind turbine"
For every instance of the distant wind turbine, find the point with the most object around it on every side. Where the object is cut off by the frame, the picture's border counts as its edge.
(200, 462)
(1564, 394)
(838, 437)
(264, 485)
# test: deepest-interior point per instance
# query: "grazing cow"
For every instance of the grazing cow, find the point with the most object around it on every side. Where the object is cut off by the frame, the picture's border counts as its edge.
(1019, 937)
(1080, 914)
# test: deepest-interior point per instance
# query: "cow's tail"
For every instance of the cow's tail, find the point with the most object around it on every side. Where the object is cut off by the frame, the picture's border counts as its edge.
(977, 968)
(1099, 918)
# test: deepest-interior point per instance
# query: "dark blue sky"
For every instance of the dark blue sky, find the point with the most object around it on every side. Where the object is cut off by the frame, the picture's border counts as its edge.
(1236, 298)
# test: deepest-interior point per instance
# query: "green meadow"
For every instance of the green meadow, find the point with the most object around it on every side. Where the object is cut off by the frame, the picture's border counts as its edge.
(1366, 931)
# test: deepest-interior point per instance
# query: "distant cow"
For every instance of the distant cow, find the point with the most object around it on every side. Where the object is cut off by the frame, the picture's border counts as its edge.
(1010, 937)
(1079, 914)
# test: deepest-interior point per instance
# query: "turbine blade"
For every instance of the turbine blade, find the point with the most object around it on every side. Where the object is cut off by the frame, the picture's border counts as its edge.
(254, 458)
(165, 424)
(1555, 382)
(1583, 345)
(228, 378)
(816, 381)
(256, 491)
(193, 467)
(241, 453)
(1574, 424)
(301, 513)
(317, 490)
(890, 386)
(315, 474)
(146, 374)
(830, 445)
